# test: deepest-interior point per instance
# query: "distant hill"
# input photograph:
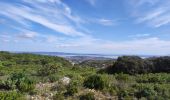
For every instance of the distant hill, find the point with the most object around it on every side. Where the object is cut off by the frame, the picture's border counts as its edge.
(80, 59)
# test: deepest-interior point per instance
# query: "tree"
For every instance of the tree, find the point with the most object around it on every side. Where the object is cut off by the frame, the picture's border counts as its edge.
(129, 65)
(162, 64)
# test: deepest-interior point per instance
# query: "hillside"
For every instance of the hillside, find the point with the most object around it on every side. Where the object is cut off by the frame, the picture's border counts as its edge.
(38, 77)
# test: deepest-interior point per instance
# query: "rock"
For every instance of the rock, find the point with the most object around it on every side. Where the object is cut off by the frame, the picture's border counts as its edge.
(65, 80)
(51, 94)
(46, 95)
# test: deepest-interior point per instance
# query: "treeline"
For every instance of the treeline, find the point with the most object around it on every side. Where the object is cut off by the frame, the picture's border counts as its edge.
(136, 65)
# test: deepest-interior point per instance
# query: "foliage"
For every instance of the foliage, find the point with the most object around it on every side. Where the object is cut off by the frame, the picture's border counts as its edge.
(144, 91)
(130, 65)
(94, 82)
(136, 65)
(53, 78)
(18, 81)
(58, 96)
(10, 95)
(130, 77)
(71, 89)
(153, 78)
(161, 64)
(88, 96)
(48, 69)
(122, 77)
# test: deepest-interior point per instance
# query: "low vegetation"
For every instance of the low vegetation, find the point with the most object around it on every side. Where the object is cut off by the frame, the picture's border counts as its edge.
(37, 77)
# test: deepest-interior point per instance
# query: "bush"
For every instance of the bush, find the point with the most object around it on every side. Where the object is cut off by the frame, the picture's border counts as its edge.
(122, 93)
(153, 78)
(53, 78)
(88, 96)
(144, 90)
(20, 82)
(71, 90)
(58, 96)
(10, 95)
(26, 85)
(59, 87)
(94, 82)
(161, 64)
(7, 85)
(130, 65)
(122, 77)
(48, 69)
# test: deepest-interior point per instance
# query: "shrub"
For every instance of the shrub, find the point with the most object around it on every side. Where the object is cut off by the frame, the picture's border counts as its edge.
(58, 96)
(144, 90)
(10, 95)
(59, 87)
(161, 64)
(130, 65)
(122, 93)
(94, 82)
(21, 82)
(53, 78)
(122, 77)
(7, 85)
(153, 78)
(48, 69)
(71, 90)
(88, 96)
(26, 85)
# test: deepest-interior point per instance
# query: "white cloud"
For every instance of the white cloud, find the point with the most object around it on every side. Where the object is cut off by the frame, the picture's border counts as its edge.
(150, 45)
(139, 35)
(28, 35)
(103, 21)
(67, 45)
(154, 13)
(107, 22)
(52, 39)
(5, 38)
(49, 15)
(92, 2)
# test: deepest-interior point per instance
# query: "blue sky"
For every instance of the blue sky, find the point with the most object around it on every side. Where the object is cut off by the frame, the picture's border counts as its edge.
(86, 26)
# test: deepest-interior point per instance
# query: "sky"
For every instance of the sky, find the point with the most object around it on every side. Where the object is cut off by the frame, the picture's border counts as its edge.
(86, 26)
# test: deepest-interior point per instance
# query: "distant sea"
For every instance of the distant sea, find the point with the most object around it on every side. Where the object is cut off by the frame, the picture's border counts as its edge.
(65, 55)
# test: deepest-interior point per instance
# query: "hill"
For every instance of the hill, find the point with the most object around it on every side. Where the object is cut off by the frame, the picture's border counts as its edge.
(38, 77)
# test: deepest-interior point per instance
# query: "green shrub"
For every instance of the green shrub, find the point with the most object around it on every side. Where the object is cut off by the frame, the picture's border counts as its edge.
(48, 69)
(88, 96)
(161, 64)
(59, 87)
(8, 63)
(130, 65)
(94, 82)
(53, 78)
(144, 90)
(20, 82)
(33, 92)
(153, 78)
(122, 77)
(71, 89)
(26, 85)
(7, 85)
(10, 95)
(122, 93)
(58, 96)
